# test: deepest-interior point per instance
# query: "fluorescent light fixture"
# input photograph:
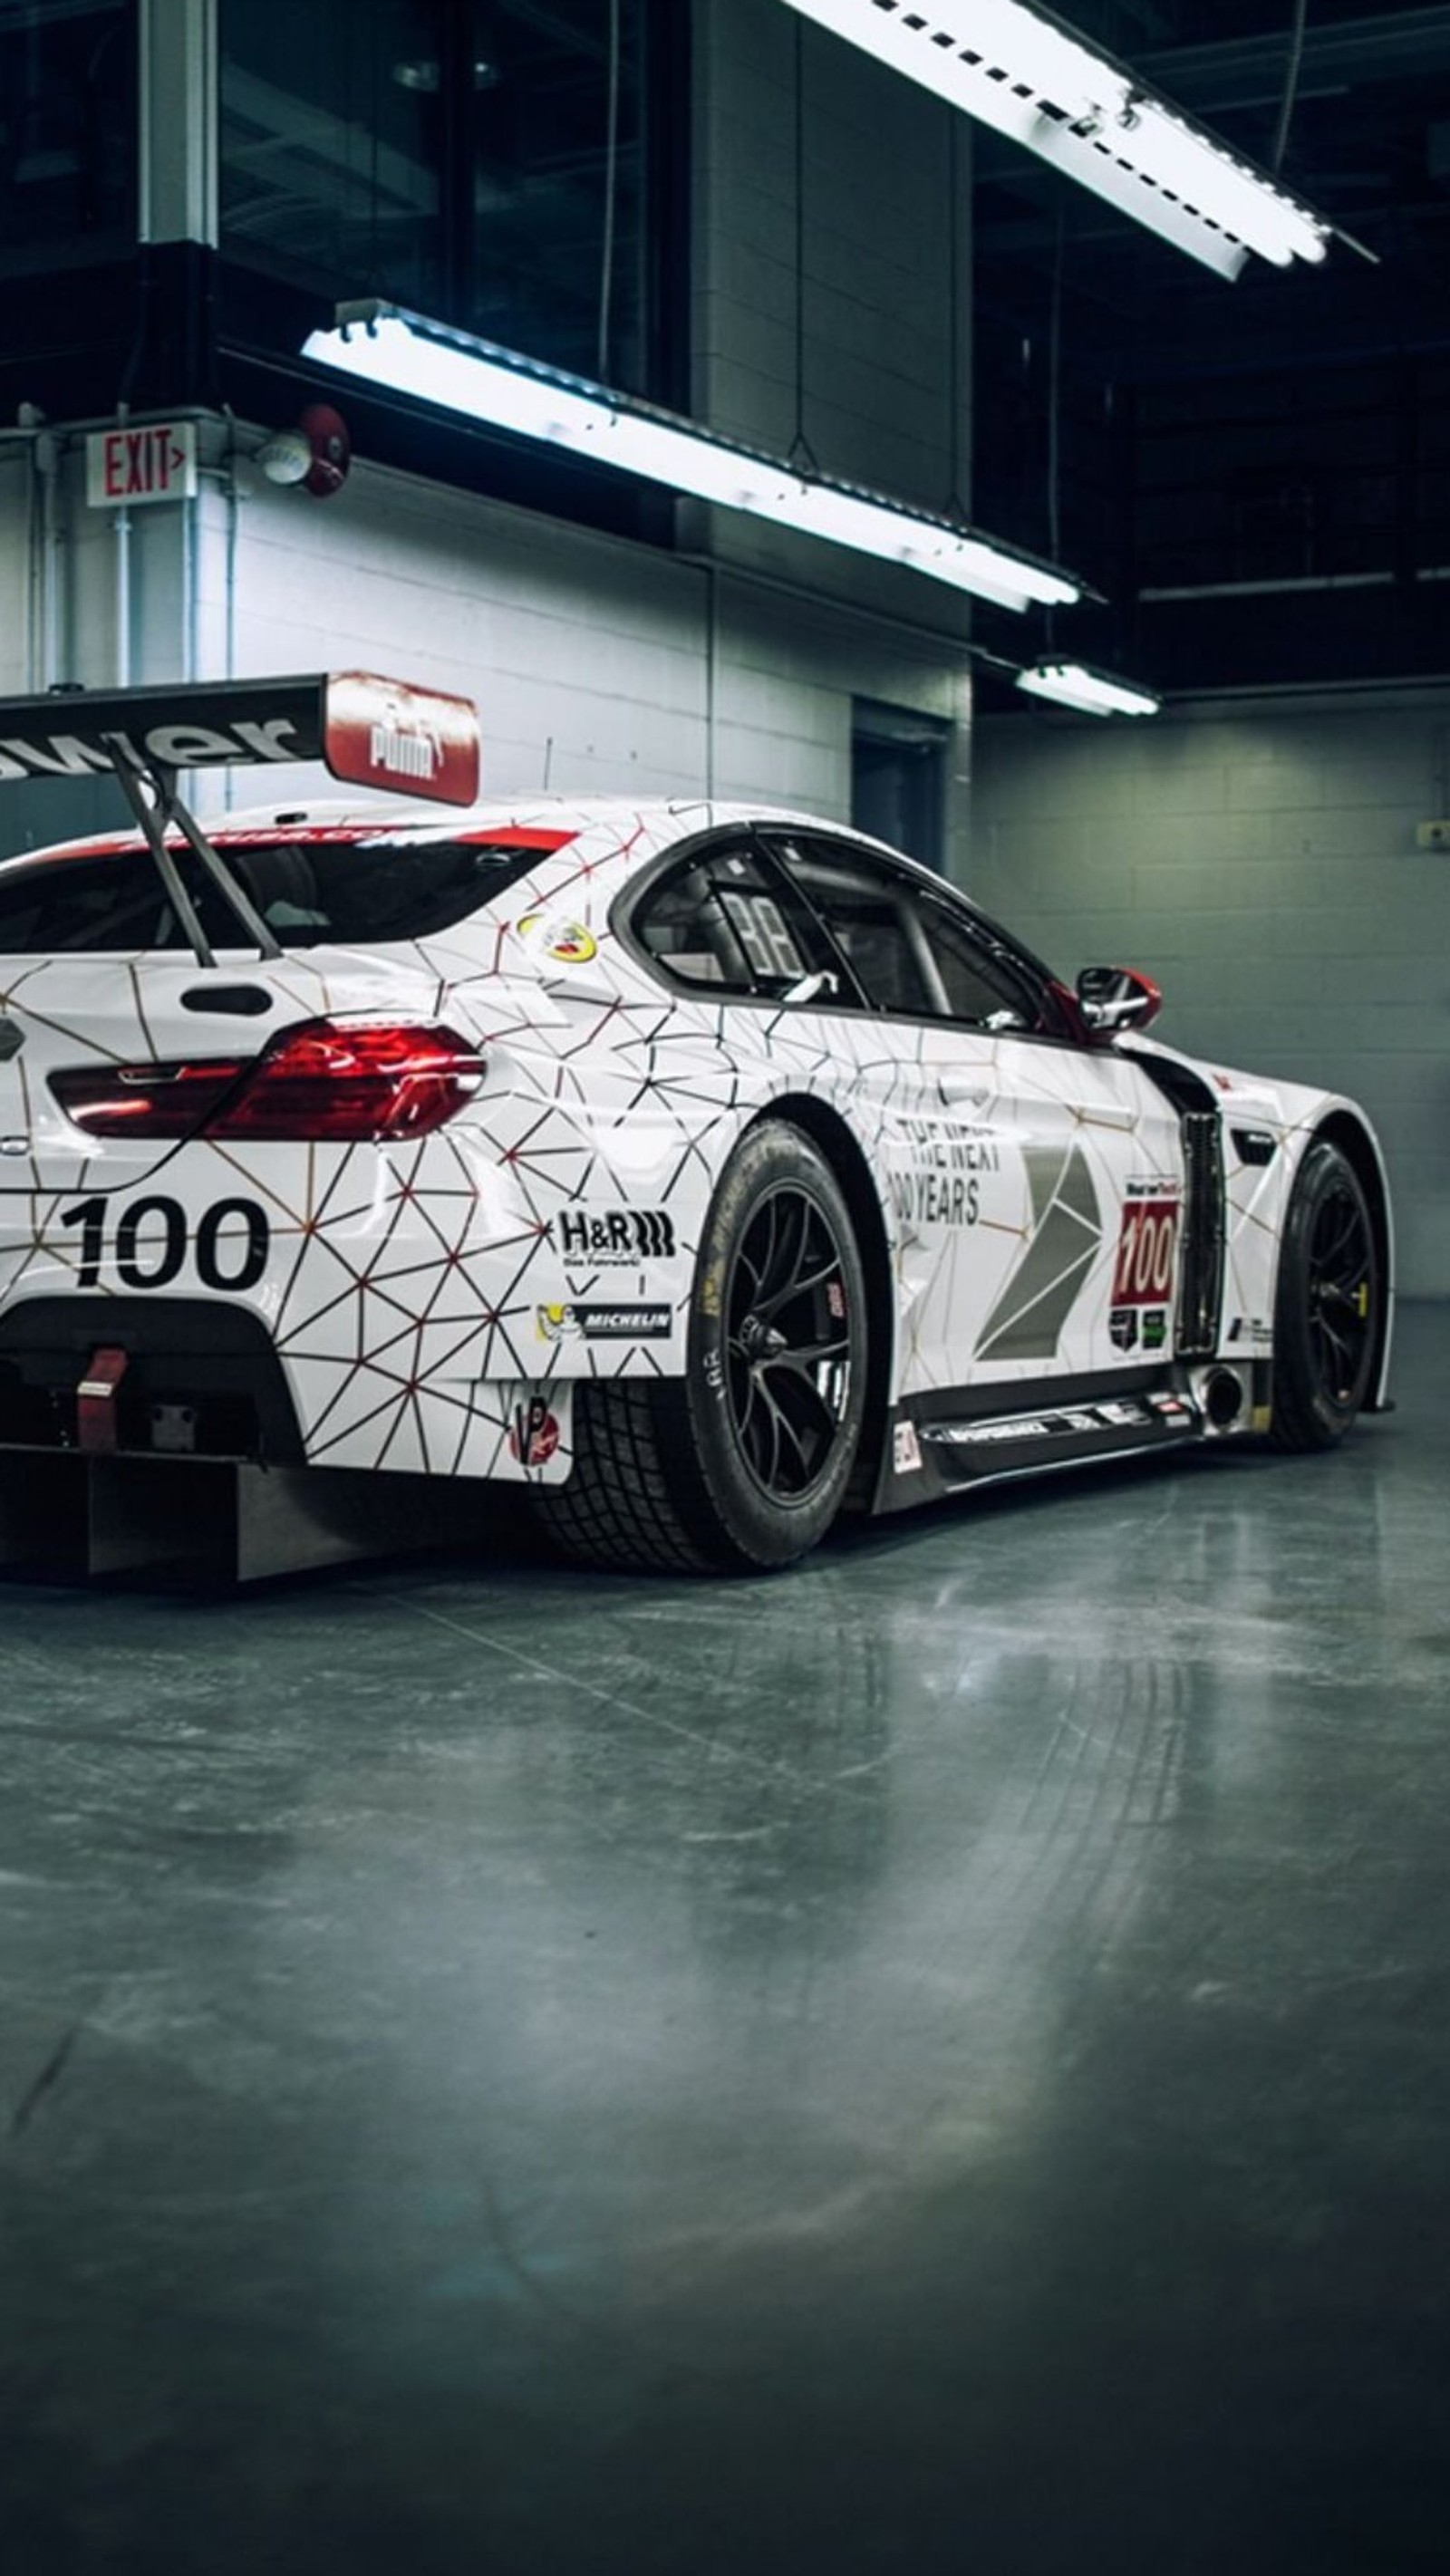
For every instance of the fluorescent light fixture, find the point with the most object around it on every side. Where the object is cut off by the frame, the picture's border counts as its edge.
(406, 354)
(1021, 70)
(1093, 693)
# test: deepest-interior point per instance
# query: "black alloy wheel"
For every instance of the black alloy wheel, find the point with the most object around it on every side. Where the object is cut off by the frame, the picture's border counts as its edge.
(1327, 1312)
(1340, 1261)
(788, 1343)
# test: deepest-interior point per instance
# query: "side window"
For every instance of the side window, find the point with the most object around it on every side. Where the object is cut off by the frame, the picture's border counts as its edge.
(912, 955)
(864, 905)
(724, 921)
(981, 987)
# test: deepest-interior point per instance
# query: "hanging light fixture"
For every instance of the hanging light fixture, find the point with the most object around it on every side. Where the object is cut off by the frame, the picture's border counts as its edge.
(1023, 71)
(1092, 693)
(405, 353)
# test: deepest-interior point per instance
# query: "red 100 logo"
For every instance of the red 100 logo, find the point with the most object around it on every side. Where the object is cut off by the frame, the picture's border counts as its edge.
(1147, 1247)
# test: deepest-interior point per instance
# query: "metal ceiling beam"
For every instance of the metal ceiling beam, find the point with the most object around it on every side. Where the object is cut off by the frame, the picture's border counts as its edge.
(1395, 45)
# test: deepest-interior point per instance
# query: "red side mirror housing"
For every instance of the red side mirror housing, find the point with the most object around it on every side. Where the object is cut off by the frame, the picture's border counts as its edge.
(1114, 998)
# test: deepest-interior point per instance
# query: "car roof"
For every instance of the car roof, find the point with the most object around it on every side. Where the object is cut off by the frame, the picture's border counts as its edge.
(564, 815)
(620, 833)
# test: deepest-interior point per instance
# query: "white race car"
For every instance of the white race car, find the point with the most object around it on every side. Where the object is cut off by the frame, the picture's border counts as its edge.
(701, 1170)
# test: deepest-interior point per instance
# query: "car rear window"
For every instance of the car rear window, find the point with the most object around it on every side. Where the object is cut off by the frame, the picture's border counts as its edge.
(311, 893)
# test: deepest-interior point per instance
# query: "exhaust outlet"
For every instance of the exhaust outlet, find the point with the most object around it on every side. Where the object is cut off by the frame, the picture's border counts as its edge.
(1223, 1398)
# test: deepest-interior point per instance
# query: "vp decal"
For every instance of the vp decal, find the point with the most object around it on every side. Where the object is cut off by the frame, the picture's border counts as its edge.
(533, 1433)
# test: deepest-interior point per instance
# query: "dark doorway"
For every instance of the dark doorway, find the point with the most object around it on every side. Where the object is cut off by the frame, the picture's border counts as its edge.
(898, 779)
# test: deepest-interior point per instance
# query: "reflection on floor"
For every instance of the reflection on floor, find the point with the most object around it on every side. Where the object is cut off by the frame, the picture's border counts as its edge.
(937, 2062)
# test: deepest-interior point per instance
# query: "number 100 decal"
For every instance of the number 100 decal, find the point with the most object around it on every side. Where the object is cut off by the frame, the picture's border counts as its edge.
(151, 1243)
(1146, 1250)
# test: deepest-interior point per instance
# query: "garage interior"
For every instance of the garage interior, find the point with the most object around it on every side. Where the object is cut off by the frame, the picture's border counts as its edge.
(935, 2058)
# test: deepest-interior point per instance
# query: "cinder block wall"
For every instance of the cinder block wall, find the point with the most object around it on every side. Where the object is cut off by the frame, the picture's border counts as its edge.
(880, 382)
(597, 665)
(1260, 861)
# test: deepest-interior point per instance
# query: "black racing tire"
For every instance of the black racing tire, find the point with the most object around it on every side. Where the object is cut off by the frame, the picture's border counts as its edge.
(741, 1465)
(1326, 1306)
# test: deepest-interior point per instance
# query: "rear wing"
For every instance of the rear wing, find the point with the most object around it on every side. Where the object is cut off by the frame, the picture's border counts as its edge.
(369, 731)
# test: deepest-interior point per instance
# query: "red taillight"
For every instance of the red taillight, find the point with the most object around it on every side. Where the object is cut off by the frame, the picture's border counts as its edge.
(143, 1099)
(348, 1081)
(353, 1080)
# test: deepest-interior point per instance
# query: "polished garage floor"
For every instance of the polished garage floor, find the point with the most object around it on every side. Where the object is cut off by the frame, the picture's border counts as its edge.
(938, 2062)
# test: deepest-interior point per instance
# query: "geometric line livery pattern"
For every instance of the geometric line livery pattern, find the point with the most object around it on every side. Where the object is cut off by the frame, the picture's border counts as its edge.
(405, 1282)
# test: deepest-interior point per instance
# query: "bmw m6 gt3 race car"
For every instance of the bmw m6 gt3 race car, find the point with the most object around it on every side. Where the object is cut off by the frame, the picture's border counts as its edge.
(698, 1170)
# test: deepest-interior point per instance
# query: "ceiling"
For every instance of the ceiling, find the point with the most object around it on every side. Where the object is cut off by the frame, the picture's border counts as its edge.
(1368, 143)
(1160, 429)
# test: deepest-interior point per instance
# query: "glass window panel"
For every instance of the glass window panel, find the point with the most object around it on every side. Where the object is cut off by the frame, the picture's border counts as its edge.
(332, 144)
(67, 132)
(980, 988)
(482, 161)
(864, 905)
(558, 235)
(723, 921)
(312, 894)
(912, 954)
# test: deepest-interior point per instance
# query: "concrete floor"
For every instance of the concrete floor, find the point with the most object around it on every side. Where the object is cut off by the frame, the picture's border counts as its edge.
(937, 2062)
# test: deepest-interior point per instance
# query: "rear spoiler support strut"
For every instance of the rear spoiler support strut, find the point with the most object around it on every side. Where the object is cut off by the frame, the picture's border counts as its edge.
(159, 812)
(370, 731)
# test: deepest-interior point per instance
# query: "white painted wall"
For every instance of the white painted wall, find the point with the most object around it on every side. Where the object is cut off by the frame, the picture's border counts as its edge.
(1260, 861)
(596, 663)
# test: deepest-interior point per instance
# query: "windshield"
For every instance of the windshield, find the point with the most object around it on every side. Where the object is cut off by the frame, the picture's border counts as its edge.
(312, 892)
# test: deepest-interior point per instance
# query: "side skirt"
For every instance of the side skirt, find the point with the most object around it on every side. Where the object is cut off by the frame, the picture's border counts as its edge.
(952, 1438)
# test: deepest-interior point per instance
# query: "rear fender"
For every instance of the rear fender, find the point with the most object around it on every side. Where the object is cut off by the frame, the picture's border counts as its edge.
(1360, 1147)
(1258, 1214)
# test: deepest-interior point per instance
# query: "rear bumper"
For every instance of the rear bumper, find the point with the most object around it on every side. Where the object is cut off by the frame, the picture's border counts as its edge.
(204, 1358)
(199, 1381)
(351, 1307)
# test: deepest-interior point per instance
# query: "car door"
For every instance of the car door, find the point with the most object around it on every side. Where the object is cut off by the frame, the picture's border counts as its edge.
(1037, 1182)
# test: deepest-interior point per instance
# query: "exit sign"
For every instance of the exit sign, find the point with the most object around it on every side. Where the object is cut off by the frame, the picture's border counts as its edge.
(156, 462)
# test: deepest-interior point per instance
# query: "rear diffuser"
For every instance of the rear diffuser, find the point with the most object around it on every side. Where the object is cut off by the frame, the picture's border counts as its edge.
(66, 1516)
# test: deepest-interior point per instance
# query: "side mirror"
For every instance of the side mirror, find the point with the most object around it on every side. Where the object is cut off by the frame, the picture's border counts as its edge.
(1114, 998)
